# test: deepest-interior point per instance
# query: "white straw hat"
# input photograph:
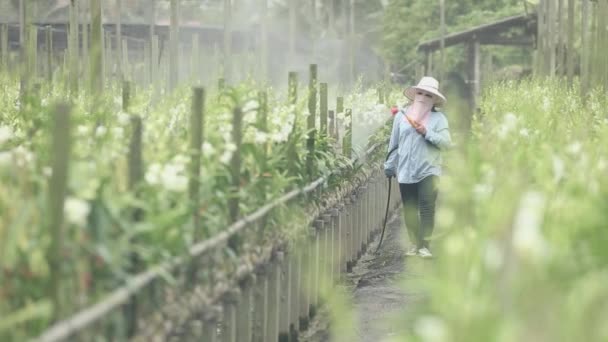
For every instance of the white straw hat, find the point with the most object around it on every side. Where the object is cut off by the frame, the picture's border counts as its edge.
(428, 84)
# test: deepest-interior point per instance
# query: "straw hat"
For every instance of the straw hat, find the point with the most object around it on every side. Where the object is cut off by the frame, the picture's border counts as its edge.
(428, 84)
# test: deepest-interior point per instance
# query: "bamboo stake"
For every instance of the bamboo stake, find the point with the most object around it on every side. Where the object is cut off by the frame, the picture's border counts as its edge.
(352, 42)
(96, 58)
(292, 98)
(235, 164)
(174, 45)
(260, 315)
(4, 46)
(119, 46)
(274, 298)
(196, 143)
(312, 109)
(85, 39)
(61, 148)
(24, 47)
(585, 48)
(442, 40)
(285, 300)
(570, 50)
(73, 48)
(339, 111)
(244, 326)
(348, 135)
(49, 54)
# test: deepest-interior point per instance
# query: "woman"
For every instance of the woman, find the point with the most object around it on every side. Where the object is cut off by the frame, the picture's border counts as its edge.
(419, 134)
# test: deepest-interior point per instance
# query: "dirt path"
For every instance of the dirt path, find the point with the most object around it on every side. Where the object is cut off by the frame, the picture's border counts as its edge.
(376, 290)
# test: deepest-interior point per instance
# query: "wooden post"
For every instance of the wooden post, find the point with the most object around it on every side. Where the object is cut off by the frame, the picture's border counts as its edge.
(196, 143)
(227, 60)
(348, 134)
(96, 62)
(174, 45)
(323, 109)
(339, 111)
(312, 109)
(61, 147)
(332, 124)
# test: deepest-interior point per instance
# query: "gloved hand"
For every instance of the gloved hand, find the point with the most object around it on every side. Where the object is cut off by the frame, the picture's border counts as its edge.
(389, 173)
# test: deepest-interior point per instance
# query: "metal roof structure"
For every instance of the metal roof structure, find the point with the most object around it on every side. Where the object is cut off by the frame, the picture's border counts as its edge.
(490, 34)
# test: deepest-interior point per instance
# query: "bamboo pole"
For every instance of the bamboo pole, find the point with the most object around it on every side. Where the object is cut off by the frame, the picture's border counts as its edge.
(174, 46)
(96, 57)
(274, 298)
(24, 33)
(61, 147)
(260, 316)
(570, 53)
(351, 55)
(244, 328)
(49, 54)
(442, 40)
(312, 109)
(196, 143)
(585, 48)
(229, 317)
(84, 19)
(348, 134)
(235, 164)
(4, 63)
(119, 46)
(285, 300)
(73, 47)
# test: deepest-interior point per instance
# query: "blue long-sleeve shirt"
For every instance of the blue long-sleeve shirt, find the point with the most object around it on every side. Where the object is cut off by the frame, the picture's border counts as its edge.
(417, 156)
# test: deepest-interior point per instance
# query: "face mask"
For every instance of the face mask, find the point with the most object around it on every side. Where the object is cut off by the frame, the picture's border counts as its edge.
(421, 105)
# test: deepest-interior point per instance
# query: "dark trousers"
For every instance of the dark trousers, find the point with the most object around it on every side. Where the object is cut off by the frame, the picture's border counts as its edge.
(419, 209)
